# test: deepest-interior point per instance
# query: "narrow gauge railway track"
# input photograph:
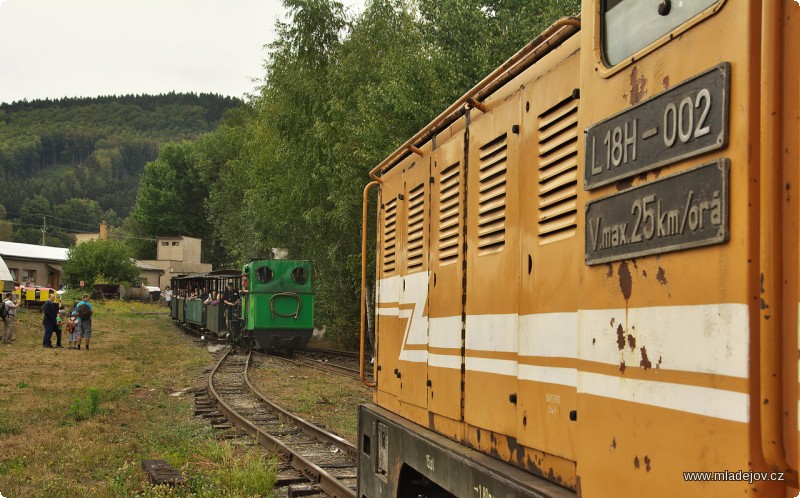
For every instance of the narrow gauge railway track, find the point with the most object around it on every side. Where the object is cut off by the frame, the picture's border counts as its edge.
(326, 460)
(340, 362)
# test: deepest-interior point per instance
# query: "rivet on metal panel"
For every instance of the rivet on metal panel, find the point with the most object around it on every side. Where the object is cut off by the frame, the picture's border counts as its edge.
(513, 398)
(515, 129)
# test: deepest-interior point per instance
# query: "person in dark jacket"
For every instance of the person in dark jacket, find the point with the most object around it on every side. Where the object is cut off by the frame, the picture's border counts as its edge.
(50, 312)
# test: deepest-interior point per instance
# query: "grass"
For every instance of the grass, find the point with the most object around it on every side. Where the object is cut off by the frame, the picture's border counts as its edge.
(79, 423)
(327, 399)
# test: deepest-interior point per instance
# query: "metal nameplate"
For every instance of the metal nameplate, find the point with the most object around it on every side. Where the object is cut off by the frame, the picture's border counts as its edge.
(682, 211)
(689, 119)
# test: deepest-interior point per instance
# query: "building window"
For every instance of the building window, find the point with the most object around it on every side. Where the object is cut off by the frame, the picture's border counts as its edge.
(14, 274)
(29, 276)
(165, 244)
(175, 244)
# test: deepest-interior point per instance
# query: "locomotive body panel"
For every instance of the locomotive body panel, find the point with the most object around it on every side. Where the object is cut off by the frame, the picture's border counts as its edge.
(614, 372)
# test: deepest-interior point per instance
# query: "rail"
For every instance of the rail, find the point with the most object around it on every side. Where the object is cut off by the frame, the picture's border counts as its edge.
(313, 472)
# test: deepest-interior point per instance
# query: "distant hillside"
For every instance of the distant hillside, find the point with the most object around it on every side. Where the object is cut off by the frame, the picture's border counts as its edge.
(83, 156)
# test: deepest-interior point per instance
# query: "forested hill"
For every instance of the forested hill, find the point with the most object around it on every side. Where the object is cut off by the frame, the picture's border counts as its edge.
(78, 160)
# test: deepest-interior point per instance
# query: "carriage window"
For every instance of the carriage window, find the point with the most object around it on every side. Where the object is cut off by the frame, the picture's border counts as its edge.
(631, 25)
(264, 274)
(300, 275)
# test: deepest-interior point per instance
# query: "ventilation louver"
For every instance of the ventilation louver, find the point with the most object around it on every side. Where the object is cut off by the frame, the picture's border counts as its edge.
(492, 195)
(558, 171)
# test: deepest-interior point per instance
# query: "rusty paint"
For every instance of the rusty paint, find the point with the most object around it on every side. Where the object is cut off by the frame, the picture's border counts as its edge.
(661, 276)
(610, 270)
(625, 280)
(644, 273)
(431, 424)
(622, 367)
(613, 444)
(636, 462)
(612, 321)
(645, 363)
(665, 82)
(594, 340)
(788, 192)
(631, 342)
(620, 337)
(647, 463)
(638, 86)
(517, 451)
(624, 184)
(658, 365)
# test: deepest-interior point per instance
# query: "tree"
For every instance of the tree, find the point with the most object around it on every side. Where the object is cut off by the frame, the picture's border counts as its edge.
(100, 261)
(171, 194)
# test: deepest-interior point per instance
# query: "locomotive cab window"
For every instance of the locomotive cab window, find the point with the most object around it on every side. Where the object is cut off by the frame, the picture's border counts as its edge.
(300, 275)
(264, 274)
(631, 25)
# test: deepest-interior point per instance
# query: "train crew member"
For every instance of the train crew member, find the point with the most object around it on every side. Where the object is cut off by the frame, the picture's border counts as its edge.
(11, 317)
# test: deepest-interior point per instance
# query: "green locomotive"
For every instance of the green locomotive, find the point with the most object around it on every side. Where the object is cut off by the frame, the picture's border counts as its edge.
(272, 304)
(277, 309)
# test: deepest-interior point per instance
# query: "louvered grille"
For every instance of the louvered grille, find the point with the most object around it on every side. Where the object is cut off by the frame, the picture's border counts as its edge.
(558, 171)
(389, 236)
(416, 226)
(449, 212)
(492, 196)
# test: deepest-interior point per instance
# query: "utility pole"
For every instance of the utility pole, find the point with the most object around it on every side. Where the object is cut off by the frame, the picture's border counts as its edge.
(44, 228)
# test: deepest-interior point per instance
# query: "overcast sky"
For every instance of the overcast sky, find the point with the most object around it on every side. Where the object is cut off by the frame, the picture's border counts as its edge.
(58, 48)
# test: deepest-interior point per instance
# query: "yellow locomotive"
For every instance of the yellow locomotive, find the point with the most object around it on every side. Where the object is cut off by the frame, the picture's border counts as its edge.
(587, 267)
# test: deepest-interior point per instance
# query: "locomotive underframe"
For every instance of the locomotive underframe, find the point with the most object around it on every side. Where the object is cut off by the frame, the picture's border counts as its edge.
(400, 458)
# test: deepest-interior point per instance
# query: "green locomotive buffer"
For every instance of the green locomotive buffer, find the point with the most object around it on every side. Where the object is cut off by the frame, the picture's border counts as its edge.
(278, 308)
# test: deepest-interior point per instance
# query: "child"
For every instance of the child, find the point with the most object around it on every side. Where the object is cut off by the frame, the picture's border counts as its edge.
(73, 335)
(58, 328)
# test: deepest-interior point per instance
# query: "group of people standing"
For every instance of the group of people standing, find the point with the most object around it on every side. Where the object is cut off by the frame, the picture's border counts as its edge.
(79, 326)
